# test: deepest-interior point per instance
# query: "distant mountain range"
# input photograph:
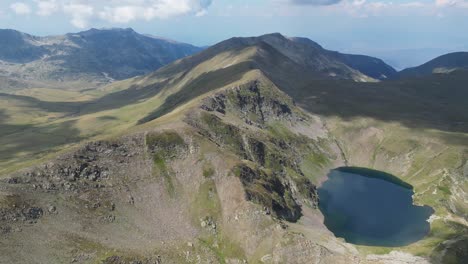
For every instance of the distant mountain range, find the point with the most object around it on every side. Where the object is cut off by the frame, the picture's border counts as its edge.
(96, 56)
(443, 64)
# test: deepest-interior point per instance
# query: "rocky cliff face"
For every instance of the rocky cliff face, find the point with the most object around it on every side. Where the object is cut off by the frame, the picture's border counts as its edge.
(272, 178)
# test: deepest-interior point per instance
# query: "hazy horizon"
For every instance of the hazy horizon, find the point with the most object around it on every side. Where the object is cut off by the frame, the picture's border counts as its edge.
(367, 27)
(397, 58)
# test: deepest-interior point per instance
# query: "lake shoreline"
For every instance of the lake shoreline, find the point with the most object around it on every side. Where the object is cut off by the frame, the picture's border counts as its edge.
(372, 208)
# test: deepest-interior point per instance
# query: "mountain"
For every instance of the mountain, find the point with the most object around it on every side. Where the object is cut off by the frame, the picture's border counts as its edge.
(370, 66)
(17, 47)
(97, 56)
(401, 59)
(291, 63)
(217, 157)
(443, 64)
(317, 60)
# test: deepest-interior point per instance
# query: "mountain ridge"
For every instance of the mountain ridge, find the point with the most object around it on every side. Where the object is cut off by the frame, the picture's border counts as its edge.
(313, 56)
(442, 64)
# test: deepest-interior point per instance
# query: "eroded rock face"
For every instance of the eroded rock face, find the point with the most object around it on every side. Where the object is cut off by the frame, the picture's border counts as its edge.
(22, 213)
(87, 168)
(276, 181)
(167, 144)
(215, 103)
(252, 99)
(268, 190)
(85, 177)
(252, 103)
(258, 151)
(124, 260)
(14, 212)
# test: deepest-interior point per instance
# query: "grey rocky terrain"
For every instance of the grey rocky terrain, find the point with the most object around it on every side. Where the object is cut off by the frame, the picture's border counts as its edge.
(83, 60)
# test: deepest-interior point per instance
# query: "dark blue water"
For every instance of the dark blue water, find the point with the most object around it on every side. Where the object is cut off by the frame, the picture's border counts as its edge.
(367, 207)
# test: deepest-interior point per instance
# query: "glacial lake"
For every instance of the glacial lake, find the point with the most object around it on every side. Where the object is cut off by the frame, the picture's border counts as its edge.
(373, 208)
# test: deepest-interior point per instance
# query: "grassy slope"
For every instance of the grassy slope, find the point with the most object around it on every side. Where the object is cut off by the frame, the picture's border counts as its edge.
(55, 120)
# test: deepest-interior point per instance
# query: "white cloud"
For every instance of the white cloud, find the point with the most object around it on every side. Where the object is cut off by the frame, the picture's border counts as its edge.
(452, 3)
(20, 8)
(314, 2)
(363, 8)
(152, 9)
(366, 8)
(201, 13)
(413, 4)
(80, 14)
(445, 2)
(121, 14)
(46, 7)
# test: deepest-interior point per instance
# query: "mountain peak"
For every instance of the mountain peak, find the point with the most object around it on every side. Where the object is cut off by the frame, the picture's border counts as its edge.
(12, 33)
(306, 41)
(8, 30)
(94, 31)
(18, 47)
(277, 56)
(273, 35)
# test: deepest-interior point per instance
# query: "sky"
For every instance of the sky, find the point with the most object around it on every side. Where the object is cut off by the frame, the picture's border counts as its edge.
(373, 27)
